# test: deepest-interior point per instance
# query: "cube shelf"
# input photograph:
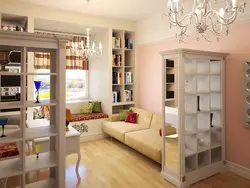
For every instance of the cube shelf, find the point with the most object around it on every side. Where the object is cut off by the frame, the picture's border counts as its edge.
(216, 155)
(203, 159)
(197, 111)
(190, 163)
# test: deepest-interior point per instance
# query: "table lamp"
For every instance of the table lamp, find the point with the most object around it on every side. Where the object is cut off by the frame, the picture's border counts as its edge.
(68, 116)
(3, 122)
(37, 151)
(37, 85)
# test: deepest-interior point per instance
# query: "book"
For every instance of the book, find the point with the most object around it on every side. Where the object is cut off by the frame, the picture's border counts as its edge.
(118, 42)
(128, 95)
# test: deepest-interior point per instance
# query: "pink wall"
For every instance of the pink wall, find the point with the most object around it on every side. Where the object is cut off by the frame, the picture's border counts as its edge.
(238, 45)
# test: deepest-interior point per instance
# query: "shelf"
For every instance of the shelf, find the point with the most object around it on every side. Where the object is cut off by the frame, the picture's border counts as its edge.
(117, 84)
(9, 105)
(129, 84)
(117, 48)
(49, 183)
(189, 133)
(202, 130)
(42, 103)
(6, 73)
(122, 103)
(46, 160)
(11, 136)
(170, 83)
(190, 163)
(169, 99)
(10, 167)
(202, 148)
(14, 113)
(39, 132)
(126, 49)
(129, 66)
(215, 145)
(42, 74)
(117, 66)
(169, 68)
(189, 152)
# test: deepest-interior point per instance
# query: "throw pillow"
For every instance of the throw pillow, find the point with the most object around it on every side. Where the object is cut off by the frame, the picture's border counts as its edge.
(86, 108)
(123, 114)
(97, 108)
(131, 117)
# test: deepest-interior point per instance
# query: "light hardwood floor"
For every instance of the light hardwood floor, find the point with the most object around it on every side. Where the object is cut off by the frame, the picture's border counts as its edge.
(110, 164)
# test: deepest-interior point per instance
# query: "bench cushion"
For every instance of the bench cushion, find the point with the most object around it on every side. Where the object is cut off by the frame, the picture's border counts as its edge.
(84, 117)
(8, 150)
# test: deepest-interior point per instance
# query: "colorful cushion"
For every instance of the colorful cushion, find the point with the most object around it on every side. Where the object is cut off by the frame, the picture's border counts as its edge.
(97, 108)
(123, 114)
(84, 117)
(8, 150)
(131, 117)
(87, 108)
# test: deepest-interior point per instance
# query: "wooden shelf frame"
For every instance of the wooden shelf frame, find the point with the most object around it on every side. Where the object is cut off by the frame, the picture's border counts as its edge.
(200, 145)
(55, 158)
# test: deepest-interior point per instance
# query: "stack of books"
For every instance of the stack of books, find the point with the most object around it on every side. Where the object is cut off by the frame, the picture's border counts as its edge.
(129, 78)
(116, 42)
(128, 95)
(129, 43)
(117, 60)
(117, 77)
(116, 97)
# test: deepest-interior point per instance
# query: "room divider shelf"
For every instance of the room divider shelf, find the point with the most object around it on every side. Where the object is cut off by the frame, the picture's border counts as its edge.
(199, 117)
(49, 183)
(54, 159)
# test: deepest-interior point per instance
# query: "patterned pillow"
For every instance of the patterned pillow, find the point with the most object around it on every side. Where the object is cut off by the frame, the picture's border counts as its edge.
(97, 108)
(131, 117)
(87, 108)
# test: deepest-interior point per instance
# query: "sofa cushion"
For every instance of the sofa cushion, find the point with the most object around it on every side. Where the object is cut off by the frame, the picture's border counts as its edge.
(148, 142)
(144, 117)
(131, 117)
(156, 122)
(118, 129)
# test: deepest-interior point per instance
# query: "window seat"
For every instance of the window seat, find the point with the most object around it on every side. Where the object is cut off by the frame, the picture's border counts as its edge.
(85, 117)
(8, 150)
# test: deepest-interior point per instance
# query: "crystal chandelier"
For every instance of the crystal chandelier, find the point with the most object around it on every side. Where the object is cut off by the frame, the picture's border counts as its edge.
(87, 49)
(203, 17)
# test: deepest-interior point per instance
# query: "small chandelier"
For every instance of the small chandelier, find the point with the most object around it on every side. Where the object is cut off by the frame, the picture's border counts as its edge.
(203, 17)
(87, 49)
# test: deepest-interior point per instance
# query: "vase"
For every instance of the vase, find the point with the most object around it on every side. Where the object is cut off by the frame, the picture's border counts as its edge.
(3, 122)
(37, 86)
(198, 103)
(67, 124)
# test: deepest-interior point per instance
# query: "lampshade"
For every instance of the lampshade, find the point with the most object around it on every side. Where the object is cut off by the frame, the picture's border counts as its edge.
(68, 114)
(3, 121)
(37, 84)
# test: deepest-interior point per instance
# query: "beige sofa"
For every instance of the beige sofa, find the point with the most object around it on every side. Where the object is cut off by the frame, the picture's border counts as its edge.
(142, 136)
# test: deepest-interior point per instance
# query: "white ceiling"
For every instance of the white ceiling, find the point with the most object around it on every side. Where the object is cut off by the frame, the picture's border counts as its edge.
(125, 9)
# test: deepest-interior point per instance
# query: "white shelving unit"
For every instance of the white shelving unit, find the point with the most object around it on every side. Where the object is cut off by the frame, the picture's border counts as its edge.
(123, 60)
(55, 158)
(198, 105)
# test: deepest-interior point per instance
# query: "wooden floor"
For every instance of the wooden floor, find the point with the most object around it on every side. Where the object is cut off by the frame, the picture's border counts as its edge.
(111, 164)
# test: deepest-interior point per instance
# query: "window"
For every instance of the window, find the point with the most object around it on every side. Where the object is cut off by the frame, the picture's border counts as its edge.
(76, 84)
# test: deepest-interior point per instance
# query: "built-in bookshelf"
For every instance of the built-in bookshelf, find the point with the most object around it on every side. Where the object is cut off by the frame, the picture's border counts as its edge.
(123, 70)
(193, 102)
(54, 159)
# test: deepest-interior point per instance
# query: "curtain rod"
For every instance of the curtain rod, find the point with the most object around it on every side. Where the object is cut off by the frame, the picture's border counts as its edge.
(60, 33)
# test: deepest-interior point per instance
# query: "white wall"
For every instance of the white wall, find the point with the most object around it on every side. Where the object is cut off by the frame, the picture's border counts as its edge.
(100, 72)
(41, 12)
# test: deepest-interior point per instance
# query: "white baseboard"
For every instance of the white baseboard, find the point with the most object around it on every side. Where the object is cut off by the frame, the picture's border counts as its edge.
(237, 169)
(85, 138)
